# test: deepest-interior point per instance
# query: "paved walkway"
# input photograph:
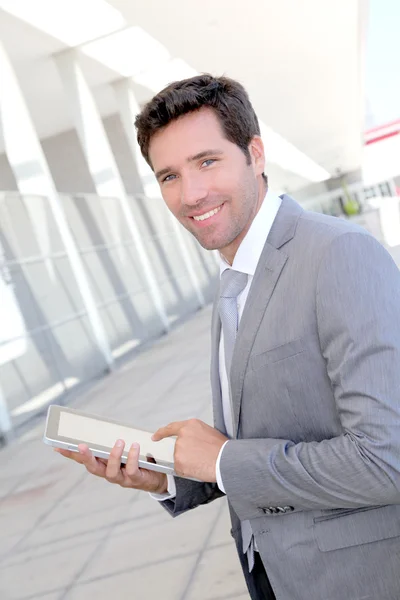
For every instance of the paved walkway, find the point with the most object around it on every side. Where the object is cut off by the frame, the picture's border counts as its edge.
(66, 535)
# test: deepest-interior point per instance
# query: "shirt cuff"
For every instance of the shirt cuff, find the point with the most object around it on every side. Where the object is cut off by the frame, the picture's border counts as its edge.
(219, 478)
(171, 487)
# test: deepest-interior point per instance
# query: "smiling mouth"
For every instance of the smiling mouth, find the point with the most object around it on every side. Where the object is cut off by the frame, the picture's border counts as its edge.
(207, 215)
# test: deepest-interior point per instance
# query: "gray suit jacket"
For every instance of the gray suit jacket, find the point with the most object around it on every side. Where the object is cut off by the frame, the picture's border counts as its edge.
(315, 379)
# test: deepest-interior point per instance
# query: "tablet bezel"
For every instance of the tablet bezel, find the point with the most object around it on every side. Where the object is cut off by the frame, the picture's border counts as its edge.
(52, 438)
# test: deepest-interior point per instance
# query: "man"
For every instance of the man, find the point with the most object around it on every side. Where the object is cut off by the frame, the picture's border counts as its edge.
(305, 365)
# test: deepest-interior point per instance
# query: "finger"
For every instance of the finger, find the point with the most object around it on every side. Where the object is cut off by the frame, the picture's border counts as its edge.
(167, 431)
(132, 470)
(69, 454)
(84, 457)
(113, 469)
(93, 466)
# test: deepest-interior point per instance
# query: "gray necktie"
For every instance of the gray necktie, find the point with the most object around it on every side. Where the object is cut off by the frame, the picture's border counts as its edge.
(232, 284)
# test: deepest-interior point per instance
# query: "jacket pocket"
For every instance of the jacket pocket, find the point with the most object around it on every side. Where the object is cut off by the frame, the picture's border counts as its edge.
(354, 527)
(337, 513)
(276, 354)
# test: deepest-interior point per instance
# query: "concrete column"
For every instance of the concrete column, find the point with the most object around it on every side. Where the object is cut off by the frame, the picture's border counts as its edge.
(6, 431)
(128, 109)
(33, 177)
(101, 162)
(188, 261)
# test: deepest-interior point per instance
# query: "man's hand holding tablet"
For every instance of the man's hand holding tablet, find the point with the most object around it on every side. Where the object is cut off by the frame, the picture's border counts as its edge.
(197, 448)
(138, 459)
(129, 475)
(113, 450)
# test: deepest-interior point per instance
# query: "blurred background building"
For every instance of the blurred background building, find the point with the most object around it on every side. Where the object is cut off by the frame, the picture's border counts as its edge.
(92, 266)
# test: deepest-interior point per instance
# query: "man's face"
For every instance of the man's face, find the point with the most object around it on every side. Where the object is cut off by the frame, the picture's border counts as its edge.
(205, 179)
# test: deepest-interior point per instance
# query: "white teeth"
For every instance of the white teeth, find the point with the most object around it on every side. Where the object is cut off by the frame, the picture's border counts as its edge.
(207, 215)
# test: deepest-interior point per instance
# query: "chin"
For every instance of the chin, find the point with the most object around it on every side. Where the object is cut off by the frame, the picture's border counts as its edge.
(212, 244)
(208, 245)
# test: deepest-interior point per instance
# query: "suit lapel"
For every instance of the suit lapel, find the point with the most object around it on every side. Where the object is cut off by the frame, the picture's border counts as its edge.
(263, 285)
(269, 269)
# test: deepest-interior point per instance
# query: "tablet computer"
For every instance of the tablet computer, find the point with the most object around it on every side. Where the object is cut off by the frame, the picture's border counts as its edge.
(67, 427)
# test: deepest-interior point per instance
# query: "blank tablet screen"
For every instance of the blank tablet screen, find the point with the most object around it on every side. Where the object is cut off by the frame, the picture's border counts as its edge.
(103, 433)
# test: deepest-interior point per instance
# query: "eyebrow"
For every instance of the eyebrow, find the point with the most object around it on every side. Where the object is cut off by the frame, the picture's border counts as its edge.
(193, 158)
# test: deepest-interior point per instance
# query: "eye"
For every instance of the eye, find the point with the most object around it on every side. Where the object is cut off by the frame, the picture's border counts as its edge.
(208, 162)
(168, 178)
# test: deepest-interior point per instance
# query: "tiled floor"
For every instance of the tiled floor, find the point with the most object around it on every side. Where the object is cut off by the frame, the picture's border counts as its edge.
(65, 535)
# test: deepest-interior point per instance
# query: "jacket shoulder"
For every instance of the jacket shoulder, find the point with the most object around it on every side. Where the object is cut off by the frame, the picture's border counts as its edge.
(327, 227)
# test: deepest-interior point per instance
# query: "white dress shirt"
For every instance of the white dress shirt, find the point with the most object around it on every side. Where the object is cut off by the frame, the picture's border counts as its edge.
(245, 261)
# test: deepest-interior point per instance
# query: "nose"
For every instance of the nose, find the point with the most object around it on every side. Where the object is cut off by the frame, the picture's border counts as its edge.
(193, 190)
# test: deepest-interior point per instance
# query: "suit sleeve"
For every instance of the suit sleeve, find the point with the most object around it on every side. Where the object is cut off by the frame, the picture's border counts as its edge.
(189, 495)
(358, 316)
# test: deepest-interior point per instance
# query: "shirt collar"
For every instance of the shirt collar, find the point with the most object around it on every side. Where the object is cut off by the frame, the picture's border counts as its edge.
(249, 252)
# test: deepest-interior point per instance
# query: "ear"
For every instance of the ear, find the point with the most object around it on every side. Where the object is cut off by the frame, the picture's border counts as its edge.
(256, 149)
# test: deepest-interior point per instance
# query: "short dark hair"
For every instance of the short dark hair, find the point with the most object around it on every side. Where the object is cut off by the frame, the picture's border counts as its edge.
(226, 97)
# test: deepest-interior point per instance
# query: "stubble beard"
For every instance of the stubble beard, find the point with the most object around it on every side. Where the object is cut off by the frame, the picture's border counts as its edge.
(213, 243)
(210, 240)
(236, 225)
(236, 222)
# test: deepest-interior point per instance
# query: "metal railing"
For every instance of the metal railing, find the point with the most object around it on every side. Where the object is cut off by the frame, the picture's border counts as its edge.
(350, 199)
(47, 346)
